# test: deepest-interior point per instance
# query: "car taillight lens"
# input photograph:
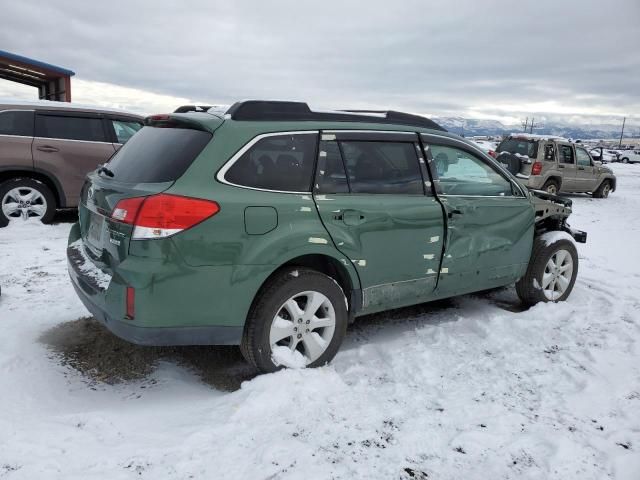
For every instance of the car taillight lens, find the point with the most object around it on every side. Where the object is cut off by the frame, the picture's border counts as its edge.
(492, 154)
(131, 303)
(536, 168)
(163, 215)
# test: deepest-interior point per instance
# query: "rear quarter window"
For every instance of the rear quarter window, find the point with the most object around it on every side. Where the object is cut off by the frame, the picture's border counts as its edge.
(282, 162)
(16, 122)
(158, 154)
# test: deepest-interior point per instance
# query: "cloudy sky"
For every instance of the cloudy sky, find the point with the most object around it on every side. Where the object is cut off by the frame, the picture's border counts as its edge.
(570, 60)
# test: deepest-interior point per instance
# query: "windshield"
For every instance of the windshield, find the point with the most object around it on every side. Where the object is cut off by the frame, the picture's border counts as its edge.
(521, 146)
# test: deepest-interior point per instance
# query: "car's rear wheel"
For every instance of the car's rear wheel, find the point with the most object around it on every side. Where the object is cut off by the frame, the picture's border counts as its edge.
(298, 319)
(551, 273)
(625, 160)
(551, 186)
(26, 198)
(603, 190)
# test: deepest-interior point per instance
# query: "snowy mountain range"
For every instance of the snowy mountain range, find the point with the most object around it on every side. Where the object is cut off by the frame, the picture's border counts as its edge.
(470, 127)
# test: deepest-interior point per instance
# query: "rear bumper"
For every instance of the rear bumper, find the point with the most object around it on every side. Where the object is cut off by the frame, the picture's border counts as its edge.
(103, 296)
(157, 336)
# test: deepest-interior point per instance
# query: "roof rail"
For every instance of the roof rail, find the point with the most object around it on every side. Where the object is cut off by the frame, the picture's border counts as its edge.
(263, 110)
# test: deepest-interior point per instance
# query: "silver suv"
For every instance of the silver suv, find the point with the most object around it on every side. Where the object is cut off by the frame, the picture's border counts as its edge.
(554, 164)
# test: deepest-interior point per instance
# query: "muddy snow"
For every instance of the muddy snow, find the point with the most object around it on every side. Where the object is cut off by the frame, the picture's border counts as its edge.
(472, 387)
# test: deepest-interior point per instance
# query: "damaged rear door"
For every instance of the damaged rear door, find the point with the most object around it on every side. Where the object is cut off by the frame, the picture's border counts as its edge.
(370, 193)
(490, 221)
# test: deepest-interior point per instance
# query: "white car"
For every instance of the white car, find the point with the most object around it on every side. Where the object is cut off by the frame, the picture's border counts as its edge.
(630, 156)
(604, 156)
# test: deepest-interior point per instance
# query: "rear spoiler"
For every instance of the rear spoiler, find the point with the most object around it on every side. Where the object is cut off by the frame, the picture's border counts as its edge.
(179, 120)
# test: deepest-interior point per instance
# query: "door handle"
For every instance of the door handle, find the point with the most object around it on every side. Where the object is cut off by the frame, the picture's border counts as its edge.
(580, 168)
(47, 148)
(453, 212)
(353, 217)
(560, 166)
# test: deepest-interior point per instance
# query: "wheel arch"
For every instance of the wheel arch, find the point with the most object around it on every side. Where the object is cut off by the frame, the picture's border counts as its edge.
(555, 178)
(8, 173)
(330, 266)
(611, 180)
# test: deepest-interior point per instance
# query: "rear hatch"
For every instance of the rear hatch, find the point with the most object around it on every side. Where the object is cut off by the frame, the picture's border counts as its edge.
(517, 154)
(148, 164)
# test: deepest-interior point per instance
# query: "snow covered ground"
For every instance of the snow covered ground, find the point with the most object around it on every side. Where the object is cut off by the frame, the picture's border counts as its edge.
(470, 388)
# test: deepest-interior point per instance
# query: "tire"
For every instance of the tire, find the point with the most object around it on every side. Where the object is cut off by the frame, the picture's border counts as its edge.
(531, 288)
(551, 186)
(297, 285)
(625, 160)
(43, 206)
(603, 190)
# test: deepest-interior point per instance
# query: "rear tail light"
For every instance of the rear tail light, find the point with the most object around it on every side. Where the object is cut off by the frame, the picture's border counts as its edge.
(131, 303)
(162, 215)
(492, 154)
(536, 168)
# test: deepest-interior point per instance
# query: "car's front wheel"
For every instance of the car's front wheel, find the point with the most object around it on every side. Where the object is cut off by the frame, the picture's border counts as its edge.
(552, 270)
(603, 190)
(26, 198)
(297, 320)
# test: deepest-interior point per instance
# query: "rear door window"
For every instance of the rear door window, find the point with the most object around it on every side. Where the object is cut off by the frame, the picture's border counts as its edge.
(125, 129)
(16, 122)
(331, 176)
(565, 153)
(382, 167)
(282, 163)
(89, 129)
(157, 154)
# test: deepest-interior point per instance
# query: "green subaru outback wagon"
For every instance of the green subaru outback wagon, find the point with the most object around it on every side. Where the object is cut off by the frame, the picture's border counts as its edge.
(272, 227)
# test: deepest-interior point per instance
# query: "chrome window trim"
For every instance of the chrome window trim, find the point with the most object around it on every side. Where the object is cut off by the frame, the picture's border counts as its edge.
(504, 171)
(71, 140)
(15, 136)
(403, 132)
(220, 176)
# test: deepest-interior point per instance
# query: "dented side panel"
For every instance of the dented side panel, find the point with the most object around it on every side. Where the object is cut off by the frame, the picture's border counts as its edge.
(489, 242)
(395, 244)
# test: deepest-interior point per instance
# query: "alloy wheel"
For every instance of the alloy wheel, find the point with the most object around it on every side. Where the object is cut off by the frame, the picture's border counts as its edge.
(24, 202)
(306, 323)
(557, 275)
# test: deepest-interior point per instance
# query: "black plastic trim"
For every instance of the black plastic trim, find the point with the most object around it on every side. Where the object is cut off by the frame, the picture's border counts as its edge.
(263, 110)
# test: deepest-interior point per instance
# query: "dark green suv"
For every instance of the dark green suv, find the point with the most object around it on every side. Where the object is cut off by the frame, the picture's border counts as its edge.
(273, 226)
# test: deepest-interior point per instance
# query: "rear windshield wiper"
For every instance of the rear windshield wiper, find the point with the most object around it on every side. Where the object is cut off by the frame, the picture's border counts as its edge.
(106, 171)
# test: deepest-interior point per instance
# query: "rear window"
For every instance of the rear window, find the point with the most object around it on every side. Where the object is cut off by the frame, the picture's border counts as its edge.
(278, 162)
(520, 146)
(157, 154)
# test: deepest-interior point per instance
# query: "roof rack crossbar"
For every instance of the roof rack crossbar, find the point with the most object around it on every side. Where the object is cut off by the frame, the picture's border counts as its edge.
(263, 110)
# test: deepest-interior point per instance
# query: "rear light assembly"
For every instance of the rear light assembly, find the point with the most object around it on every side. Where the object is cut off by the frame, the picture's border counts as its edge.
(536, 168)
(162, 215)
(492, 154)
